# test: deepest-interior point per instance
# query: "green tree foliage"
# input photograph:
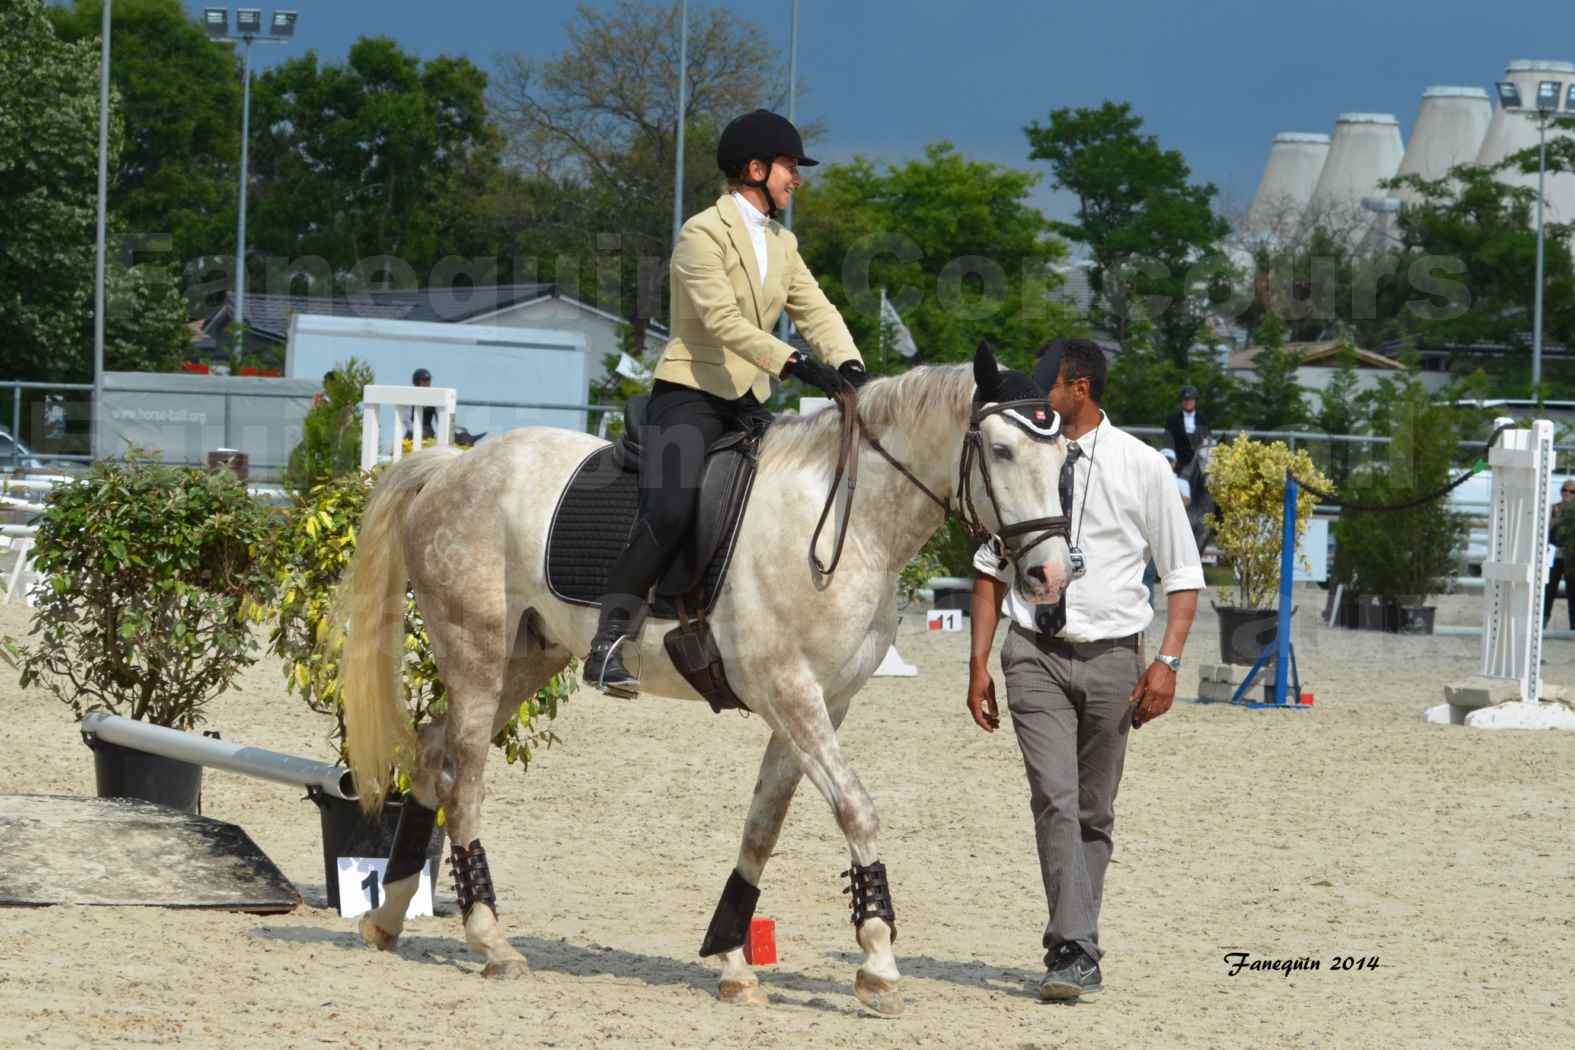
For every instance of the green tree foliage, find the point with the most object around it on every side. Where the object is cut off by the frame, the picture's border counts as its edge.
(1484, 233)
(1317, 284)
(593, 130)
(48, 208)
(355, 162)
(154, 582)
(962, 253)
(1277, 401)
(1144, 387)
(331, 433)
(181, 101)
(1151, 232)
(1404, 555)
(308, 558)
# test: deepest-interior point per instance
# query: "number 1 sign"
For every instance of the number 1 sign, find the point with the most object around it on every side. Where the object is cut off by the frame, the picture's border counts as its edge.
(361, 887)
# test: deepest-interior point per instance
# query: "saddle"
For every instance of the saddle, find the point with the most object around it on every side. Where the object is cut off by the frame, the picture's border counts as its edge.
(595, 517)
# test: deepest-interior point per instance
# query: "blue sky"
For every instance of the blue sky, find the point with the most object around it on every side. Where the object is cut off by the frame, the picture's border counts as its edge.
(1215, 79)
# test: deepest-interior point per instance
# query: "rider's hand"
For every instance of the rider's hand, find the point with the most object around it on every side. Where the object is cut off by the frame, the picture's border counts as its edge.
(1153, 694)
(981, 700)
(815, 374)
(853, 372)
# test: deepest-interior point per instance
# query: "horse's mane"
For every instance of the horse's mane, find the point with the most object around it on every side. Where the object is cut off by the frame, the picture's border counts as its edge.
(926, 395)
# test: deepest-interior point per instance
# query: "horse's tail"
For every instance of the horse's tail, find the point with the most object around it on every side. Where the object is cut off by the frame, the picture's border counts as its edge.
(370, 608)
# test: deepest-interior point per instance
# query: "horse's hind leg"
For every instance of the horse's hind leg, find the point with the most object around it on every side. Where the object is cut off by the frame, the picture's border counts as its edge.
(779, 777)
(382, 926)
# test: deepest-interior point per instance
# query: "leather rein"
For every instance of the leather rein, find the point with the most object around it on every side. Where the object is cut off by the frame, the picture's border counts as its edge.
(852, 429)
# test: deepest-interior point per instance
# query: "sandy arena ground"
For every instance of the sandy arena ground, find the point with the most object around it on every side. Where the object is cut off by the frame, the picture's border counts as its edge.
(1352, 829)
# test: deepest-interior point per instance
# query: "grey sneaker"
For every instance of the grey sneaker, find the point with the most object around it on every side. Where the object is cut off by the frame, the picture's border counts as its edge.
(1072, 973)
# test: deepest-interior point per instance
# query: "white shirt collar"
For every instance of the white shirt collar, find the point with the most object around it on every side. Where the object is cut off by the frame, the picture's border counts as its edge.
(752, 215)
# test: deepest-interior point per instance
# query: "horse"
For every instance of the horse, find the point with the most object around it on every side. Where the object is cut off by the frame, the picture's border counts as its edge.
(1196, 473)
(799, 642)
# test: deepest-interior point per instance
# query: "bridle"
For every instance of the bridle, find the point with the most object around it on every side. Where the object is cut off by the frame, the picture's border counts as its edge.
(1032, 416)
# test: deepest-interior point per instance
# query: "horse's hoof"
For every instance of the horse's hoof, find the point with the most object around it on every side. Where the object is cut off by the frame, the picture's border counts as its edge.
(375, 936)
(743, 993)
(507, 969)
(880, 995)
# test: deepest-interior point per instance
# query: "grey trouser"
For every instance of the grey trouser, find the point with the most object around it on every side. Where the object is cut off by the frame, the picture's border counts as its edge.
(1070, 707)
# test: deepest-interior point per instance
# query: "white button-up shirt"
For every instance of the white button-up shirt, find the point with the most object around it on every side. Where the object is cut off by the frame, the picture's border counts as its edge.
(1189, 422)
(1125, 510)
(757, 223)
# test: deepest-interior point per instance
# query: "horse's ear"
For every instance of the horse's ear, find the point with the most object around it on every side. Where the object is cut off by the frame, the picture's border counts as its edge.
(986, 373)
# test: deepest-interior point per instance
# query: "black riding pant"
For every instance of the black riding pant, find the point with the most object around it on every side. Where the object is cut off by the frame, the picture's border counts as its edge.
(681, 423)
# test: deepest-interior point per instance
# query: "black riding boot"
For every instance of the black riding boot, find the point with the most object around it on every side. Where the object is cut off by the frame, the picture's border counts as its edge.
(604, 667)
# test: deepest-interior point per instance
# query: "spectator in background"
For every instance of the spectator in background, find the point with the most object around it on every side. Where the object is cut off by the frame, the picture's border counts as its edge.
(422, 378)
(1561, 535)
(1182, 484)
(1186, 427)
(322, 395)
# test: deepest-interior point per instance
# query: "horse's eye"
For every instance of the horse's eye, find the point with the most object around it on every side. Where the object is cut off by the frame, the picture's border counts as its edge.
(1001, 452)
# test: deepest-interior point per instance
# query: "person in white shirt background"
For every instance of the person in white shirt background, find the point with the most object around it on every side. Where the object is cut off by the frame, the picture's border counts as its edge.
(1076, 680)
(1185, 426)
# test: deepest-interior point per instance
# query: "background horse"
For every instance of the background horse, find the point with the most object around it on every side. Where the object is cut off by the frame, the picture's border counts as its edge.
(469, 532)
(1196, 474)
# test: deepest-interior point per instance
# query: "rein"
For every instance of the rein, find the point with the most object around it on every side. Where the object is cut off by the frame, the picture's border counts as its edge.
(851, 429)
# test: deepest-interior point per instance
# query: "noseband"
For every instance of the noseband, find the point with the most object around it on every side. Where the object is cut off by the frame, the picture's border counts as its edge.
(1031, 416)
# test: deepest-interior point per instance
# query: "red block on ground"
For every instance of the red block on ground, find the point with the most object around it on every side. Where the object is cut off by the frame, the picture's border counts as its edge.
(761, 947)
(1307, 698)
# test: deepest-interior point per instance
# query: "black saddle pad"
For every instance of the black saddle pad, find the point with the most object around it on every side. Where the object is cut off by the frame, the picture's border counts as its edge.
(596, 515)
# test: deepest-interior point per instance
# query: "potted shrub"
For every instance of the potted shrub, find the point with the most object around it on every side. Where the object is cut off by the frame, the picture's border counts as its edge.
(311, 552)
(1402, 557)
(1247, 483)
(154, 580)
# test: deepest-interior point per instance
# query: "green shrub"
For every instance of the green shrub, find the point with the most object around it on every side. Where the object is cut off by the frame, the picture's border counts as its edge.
(1409, 554)
(331, 433)
(311, 553)
(154, 580)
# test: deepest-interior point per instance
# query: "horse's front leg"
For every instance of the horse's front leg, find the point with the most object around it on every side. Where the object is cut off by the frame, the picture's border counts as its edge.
(802, 716)
(778, 779)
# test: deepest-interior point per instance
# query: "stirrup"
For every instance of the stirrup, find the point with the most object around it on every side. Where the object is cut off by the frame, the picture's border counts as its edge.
(621, 690)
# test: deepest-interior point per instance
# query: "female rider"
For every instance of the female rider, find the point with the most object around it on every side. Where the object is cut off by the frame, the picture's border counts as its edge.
(734, 270)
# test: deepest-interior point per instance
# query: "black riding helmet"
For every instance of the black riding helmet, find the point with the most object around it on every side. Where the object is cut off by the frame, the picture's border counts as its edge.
(418, 375)
(764, 136)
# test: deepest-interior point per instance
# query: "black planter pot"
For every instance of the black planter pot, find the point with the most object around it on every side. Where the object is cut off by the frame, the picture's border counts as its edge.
(124, 772)
(348, 832)
(1372, 616)
(1349, 611)
(1244, 633)
(1414, 619)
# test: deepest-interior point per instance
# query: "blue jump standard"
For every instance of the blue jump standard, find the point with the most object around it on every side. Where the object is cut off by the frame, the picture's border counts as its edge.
(1283, 652)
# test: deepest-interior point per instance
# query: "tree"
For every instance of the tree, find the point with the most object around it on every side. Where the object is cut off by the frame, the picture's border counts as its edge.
(962, 253)
(1484, 230)
(1151, 232)
(1277, 402)
(48, 211)
(353, 164)
(181, 99)
(600, 121)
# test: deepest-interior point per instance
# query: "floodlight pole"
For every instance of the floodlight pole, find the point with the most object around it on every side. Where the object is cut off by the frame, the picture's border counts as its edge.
(787, 219)
(1536, 334)
(98, 264)
(240, 226)
(683, 104)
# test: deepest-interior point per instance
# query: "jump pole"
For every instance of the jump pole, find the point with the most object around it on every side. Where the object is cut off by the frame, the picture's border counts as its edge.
(218, 754)
(1286, 677)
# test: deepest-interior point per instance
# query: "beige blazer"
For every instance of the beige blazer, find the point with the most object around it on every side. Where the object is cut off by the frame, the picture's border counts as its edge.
(722, 319)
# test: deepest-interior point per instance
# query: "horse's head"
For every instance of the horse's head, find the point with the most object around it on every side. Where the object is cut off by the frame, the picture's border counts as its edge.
(1012, 481)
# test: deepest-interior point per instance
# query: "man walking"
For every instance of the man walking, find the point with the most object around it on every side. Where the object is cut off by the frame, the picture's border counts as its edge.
(1076, 679)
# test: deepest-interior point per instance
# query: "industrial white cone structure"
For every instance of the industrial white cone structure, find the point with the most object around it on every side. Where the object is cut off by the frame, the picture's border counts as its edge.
(1296, 160)
(1365, 149)
(1511, 131)
(1450, 129)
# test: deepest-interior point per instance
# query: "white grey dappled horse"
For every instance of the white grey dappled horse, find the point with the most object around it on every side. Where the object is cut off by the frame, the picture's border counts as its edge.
(468, 531)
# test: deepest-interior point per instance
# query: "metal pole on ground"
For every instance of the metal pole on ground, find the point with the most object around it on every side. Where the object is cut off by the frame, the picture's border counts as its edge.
(1282, 656)
(98, 265)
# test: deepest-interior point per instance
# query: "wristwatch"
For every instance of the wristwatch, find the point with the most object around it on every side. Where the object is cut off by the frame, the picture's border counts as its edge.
(1172, 662)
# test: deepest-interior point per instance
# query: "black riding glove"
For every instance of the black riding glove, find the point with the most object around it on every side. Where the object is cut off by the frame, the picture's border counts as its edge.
(816, 374)
(853, 372)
